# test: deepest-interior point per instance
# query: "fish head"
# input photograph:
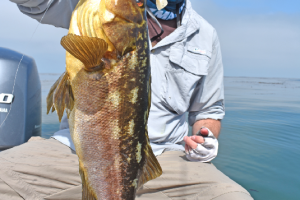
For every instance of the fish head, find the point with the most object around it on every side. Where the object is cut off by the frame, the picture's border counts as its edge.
(123, 22)
(120, 24)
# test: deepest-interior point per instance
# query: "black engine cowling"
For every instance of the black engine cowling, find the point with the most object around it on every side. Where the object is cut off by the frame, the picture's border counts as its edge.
(20, 99)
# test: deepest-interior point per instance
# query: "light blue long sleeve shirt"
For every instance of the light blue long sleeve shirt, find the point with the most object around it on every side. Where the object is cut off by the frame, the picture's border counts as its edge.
(186, 71)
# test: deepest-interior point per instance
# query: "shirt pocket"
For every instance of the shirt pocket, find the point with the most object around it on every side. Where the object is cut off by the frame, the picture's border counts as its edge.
(186, 68)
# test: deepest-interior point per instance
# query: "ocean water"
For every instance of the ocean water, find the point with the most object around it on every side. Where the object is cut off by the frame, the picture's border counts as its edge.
(260, 137)
(50, 123)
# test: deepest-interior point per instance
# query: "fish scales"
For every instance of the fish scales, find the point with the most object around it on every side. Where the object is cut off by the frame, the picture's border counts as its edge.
(105, 121)
(108, 100)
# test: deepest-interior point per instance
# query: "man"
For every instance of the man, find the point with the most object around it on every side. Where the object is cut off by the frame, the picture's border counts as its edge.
(187, 77)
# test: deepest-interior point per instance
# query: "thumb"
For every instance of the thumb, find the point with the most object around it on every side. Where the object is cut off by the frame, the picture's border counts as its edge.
(204, 132)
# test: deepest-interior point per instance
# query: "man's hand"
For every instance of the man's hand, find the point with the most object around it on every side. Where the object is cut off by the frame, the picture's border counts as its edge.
(202, 147)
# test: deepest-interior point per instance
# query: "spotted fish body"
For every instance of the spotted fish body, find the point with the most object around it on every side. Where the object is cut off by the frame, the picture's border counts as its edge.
(106, 93)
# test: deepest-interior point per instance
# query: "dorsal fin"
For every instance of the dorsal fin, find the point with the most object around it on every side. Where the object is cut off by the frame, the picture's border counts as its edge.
(60, 96)
(89, 50)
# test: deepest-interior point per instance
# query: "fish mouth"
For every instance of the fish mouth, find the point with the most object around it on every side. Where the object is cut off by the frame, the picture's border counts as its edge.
(129, 10)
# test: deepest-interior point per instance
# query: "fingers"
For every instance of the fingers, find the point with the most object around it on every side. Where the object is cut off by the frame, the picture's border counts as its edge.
(193, 141)
(190, 142)
(198, 139)
(186, 149)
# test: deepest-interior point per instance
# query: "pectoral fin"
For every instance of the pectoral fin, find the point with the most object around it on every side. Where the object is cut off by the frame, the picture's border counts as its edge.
(89, 50)
(60, 96)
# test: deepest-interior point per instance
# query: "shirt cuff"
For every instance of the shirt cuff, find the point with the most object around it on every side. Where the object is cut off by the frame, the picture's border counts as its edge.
(64, 137)
(216, 112)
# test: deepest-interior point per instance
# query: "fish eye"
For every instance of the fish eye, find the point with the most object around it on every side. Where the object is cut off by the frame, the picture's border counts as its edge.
(139, 3)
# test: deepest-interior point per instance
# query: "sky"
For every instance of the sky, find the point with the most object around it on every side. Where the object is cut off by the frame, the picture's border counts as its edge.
(259, 38)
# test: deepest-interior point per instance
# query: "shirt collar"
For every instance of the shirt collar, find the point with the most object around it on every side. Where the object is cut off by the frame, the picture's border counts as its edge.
(188, 27)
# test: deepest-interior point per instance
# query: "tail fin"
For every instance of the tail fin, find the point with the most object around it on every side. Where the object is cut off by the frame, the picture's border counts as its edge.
(87, 191)
(89, 50)
(151, 168)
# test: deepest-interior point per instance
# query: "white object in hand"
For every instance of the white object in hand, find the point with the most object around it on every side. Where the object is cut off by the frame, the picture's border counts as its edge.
(206, 151)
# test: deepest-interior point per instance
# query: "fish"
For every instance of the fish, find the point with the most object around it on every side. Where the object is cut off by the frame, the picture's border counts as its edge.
(106, 93)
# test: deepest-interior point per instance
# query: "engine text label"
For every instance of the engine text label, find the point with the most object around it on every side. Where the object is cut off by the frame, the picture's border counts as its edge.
(6, 98)
(3, 110)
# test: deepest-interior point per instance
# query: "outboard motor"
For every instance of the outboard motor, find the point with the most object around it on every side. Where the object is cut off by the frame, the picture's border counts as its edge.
(20, 99)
